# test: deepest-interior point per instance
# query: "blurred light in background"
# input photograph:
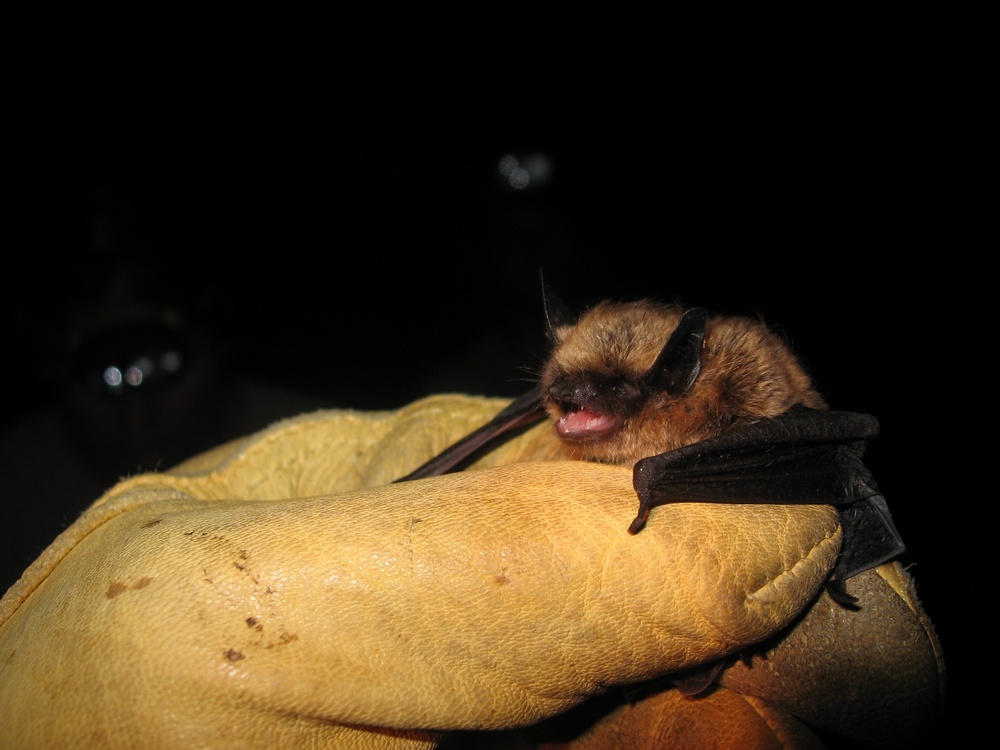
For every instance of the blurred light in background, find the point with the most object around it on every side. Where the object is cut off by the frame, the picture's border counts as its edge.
(534, 169)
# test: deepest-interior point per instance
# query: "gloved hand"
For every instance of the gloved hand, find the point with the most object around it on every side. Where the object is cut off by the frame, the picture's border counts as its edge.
(278, 591)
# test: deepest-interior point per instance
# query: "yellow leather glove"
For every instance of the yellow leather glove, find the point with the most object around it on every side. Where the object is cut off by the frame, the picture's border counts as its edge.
(279, 592)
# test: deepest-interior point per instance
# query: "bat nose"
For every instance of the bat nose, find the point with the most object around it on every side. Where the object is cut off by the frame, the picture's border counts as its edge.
(611, 395)
(574, 393)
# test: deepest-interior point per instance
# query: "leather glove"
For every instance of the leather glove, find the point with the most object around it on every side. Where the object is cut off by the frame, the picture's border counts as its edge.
(278, 592)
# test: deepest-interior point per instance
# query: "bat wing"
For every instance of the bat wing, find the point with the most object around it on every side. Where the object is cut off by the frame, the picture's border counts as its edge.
(523, 412)
(802, 457)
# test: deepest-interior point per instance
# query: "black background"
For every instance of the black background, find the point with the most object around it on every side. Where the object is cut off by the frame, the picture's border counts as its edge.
(318, 220)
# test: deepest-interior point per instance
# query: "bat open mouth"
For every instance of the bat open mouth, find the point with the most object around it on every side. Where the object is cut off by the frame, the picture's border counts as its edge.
(581, 425)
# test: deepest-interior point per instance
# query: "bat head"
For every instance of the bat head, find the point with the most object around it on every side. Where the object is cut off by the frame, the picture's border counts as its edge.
(631, 380)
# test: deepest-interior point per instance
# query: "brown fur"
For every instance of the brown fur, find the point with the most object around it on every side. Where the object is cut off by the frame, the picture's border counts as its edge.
(748, 373)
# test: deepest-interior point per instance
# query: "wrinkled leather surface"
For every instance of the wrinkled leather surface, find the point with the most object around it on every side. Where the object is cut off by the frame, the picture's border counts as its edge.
(871, 677)
(856, 673)
(276, 592)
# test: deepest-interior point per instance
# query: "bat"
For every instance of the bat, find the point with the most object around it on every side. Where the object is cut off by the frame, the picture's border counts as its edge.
(705, 409)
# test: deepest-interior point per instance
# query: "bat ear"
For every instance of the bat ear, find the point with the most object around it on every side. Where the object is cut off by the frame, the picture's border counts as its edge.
(679, 364)
(557, 313)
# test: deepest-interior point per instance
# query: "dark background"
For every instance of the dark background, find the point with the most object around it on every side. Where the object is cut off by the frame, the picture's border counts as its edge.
(320, 222)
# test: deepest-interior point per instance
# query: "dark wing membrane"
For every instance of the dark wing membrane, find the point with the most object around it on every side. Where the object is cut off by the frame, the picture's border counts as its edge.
(523, 412)
(803, 457)
(870, 537)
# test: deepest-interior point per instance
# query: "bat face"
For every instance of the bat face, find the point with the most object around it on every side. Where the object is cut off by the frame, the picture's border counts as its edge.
(631, 380)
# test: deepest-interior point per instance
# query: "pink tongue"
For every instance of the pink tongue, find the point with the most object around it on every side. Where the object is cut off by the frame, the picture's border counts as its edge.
(584, 422)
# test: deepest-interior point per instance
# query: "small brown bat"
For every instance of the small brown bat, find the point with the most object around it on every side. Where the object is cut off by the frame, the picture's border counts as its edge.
(705, 409)
(617, 394)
